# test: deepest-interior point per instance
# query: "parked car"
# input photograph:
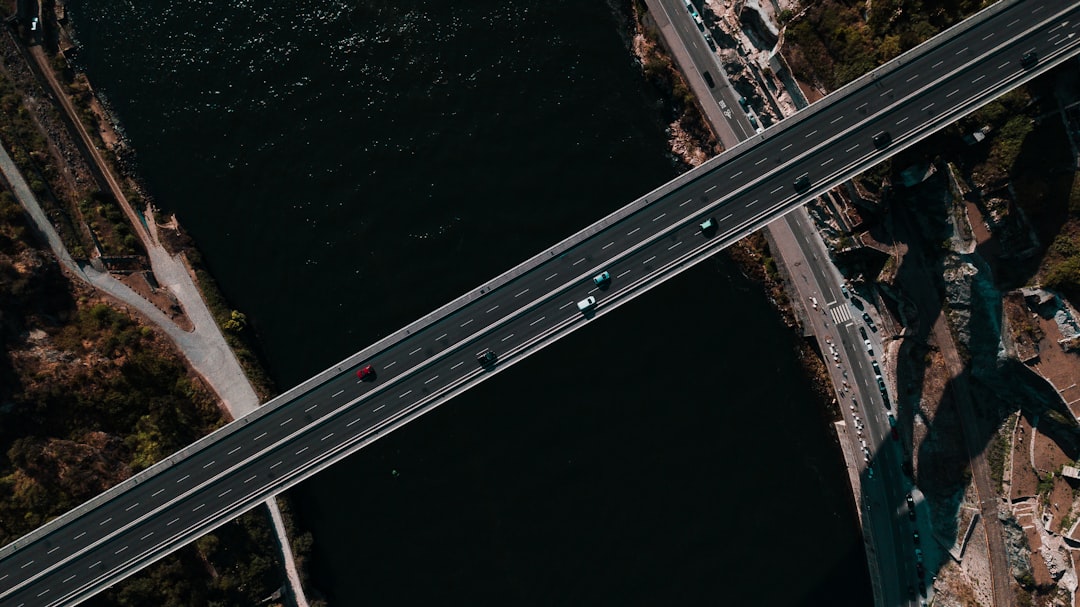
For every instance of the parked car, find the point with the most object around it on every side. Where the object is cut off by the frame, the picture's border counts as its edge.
(869, 322)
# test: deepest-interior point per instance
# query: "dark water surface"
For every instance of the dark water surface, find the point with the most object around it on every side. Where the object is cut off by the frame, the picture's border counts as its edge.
(348, 166)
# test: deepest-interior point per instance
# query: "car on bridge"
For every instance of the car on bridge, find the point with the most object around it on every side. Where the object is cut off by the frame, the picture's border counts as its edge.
(882, 140)
(586, 304)
(602, 280)
(708, 226)
(487, 359)
(802, 184)
(366, 373)
(1029, 60)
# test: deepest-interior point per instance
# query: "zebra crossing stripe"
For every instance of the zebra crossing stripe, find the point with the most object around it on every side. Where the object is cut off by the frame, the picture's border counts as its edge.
(841, 314)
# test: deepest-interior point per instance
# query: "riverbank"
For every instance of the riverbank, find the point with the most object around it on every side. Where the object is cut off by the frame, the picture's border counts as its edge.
(70, 163)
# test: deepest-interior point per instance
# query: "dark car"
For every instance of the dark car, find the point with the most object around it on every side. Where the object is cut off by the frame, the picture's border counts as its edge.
(802, 184)
(881, 384)
(709, 41)
(877, 369)
(487, 359)
(1029, 60)
(708, 79)
(862, 332)
(869, 322)
(882, 140)
(855, 301)
(895, 433)
(366, 373)
(920, 570)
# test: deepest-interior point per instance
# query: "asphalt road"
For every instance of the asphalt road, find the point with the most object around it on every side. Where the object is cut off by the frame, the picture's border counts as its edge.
(886, 525)
(705, 59)
(275, 449)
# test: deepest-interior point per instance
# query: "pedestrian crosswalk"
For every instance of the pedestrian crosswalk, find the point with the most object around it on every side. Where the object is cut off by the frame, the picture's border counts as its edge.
(841, 313)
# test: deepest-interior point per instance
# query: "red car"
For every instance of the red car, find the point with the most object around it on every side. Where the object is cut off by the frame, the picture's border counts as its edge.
(366, 373)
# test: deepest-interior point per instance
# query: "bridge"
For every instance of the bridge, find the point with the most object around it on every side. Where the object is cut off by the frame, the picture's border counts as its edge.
(423, 365)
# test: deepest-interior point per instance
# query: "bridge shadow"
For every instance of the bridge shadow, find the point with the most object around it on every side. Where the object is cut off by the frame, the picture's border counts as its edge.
(943, 418)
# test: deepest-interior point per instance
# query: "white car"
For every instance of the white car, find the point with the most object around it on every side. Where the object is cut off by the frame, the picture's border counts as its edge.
(586, 304)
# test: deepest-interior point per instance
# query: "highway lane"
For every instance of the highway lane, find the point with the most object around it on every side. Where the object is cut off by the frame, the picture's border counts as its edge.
(342, 413)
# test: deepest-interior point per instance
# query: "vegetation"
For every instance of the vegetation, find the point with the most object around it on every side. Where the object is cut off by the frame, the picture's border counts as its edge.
(662, 73)
(835, 41)
(89, 396)
(998, 451)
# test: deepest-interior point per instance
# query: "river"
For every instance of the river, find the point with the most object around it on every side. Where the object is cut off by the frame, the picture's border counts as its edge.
(349, 166)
